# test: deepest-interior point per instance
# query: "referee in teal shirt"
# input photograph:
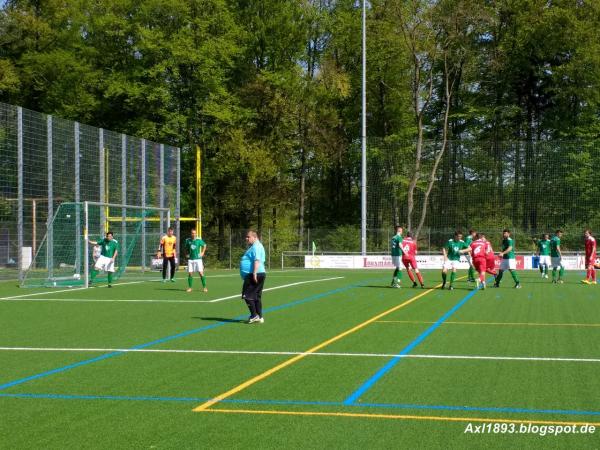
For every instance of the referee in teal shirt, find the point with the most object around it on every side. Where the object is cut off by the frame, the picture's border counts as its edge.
(252, 271)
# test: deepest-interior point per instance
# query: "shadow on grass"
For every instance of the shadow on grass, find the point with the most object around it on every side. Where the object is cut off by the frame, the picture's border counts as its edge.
(221, 319)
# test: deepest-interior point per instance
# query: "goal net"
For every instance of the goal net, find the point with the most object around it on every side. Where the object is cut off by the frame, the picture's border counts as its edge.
(65, 258)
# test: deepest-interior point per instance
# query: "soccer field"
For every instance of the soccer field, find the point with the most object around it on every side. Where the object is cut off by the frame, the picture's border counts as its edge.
(342, 360)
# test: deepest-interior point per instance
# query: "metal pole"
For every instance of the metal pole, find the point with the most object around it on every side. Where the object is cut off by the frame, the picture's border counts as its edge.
(143, 154)
(230, 249)
(161, 198)
(198, 190)
(20, 192)
(49, 224)
(33, 228)
(363, 186)
(269, 249)
(77, 200)
(123, 196)
(178, 199)
(86, 264)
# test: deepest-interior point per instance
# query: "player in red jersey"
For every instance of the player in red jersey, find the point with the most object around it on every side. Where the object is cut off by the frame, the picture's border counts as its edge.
(490, 259)
(590, 257)
(478, 253)
(409, 253)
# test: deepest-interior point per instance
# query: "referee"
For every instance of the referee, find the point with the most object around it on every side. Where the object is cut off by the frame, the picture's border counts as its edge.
(252, 270)
(168, 249)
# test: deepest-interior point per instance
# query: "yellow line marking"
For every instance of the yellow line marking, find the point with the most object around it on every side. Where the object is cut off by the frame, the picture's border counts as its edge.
(528, 324)
(314, 349)
(396, 417)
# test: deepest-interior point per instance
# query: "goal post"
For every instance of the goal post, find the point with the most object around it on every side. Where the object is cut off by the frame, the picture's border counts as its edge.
(65, 257)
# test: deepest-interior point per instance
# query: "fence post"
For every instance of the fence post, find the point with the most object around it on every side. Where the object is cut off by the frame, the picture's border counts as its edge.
(143, 152)
(49, 226)
(20, 192)
(178, 198)
(230, 248)
(124, 192)
(269, 261)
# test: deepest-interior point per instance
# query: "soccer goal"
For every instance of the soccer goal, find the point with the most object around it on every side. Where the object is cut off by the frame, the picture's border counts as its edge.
(65, 258)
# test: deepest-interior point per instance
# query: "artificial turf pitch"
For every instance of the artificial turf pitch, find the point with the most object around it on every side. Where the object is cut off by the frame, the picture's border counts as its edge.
(342, 360)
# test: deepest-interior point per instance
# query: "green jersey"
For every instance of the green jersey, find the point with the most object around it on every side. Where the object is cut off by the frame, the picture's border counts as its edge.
(397, 245)
(468, 240)
(543, 246)
(508, 242)
(193, 247)
(453, 249)
(108, 248)
(554, 245)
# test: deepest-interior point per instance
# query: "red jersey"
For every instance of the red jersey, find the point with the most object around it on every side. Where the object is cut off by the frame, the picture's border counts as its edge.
(488, 248)
(409, 248)
(590, 247)
(478, 249)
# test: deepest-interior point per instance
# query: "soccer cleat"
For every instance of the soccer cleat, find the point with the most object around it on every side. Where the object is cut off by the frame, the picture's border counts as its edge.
(594, 282)
(393, 284)
(422, 286)
(205, 290)
(261, 320)
(172, 280)
(496, 285)
(450, 288)
(518, 286)
(110, 285)
(546, 276)
(164, 280)
(414, 284)
(443, 285)
(560, 281)
(188, 290)
(254, 319)
(586, 281)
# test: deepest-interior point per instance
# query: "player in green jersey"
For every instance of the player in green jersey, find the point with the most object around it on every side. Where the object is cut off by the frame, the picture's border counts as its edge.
(556, 256)
(470, 237)
(452, 251)
(509, 261)
(397, 257)
(543, 252)
(109, 250)
(195, 248)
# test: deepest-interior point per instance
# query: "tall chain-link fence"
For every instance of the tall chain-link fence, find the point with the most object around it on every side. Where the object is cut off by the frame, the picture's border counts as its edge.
(46, 160)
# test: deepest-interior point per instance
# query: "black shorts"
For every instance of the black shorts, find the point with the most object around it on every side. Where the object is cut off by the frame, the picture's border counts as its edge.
(253, 290)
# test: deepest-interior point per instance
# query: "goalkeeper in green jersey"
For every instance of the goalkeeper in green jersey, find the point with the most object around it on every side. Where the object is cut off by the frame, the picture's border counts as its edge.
(468, 240)
(556, 257)
(396, 245)
(195, 248)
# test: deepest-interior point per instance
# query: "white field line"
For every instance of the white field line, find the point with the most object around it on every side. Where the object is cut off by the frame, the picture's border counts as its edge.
(84, 300)
(138, 280)
(68, 290)
(268, 353)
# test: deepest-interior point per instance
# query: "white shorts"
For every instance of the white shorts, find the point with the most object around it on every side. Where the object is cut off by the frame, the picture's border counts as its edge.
(105, 263)
(544, 260)
(557, 261)
(195, 265)
(450, 264)
(396, 261)
(508, 264)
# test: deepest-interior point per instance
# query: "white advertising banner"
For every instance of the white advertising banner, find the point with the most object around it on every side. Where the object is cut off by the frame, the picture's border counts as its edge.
(572, 262)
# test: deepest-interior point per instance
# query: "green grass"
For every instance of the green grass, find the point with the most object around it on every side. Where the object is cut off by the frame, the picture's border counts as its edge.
(145, 399)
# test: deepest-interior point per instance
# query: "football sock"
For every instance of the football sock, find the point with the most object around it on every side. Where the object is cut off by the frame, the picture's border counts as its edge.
(554, 274)
(94, 274)
(452, 278)
(395, 274)
(471, 273)
(499, 277)
(515, 276)
(110, 275)
(444, 275)
(561, 272)
(203, 279)
(420, 277)
(410, 275)
(190, 281)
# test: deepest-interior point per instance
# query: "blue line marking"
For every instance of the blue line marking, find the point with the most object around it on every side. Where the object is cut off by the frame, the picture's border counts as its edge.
(303, 402)
(170, 338)
(385, 369)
